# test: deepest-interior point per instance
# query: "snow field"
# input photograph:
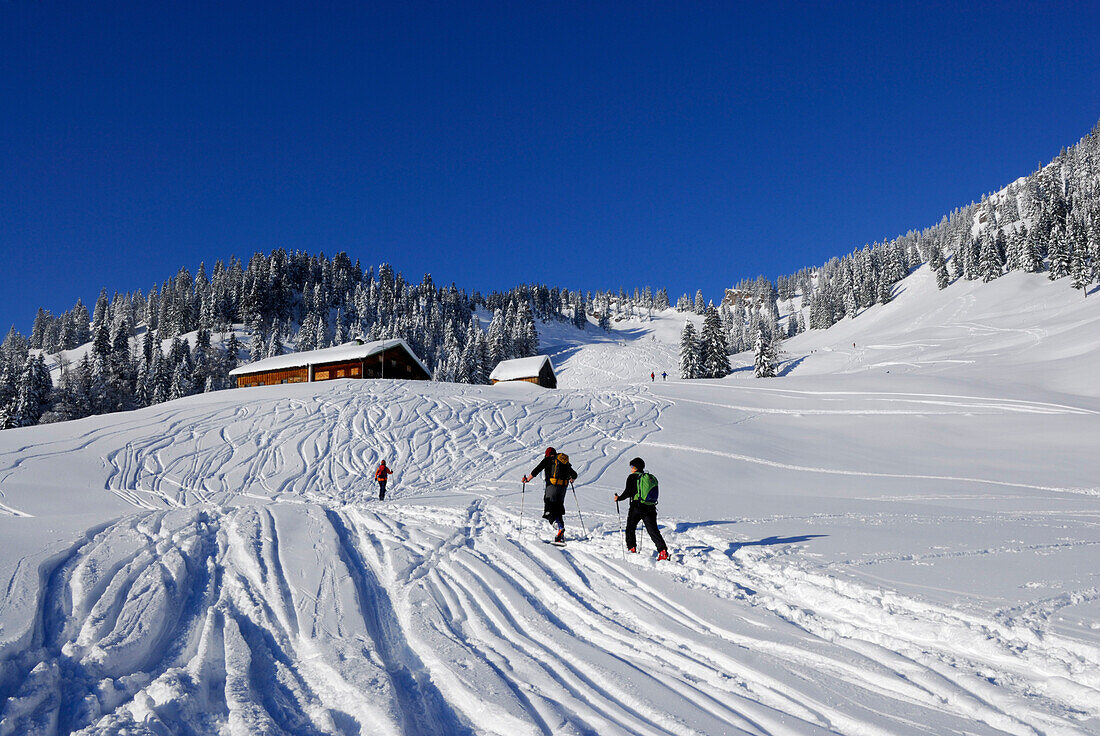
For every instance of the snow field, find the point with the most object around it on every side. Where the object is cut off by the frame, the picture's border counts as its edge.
(853, 552)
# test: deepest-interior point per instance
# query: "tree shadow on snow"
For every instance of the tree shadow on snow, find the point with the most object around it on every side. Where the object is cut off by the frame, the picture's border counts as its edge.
(791, 365)
(560, 353)
(770, 541)
(684, 526)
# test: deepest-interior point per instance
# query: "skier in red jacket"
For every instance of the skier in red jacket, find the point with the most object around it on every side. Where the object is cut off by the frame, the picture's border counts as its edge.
(381, 475)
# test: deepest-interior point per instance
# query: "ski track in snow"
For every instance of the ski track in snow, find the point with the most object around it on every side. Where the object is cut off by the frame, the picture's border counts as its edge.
(315, 612)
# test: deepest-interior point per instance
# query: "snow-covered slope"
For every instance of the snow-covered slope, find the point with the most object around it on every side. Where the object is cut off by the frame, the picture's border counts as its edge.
(855, 551)
(1020, 330)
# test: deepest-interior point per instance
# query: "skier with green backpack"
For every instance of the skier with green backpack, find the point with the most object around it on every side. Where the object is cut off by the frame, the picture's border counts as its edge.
(641, 490)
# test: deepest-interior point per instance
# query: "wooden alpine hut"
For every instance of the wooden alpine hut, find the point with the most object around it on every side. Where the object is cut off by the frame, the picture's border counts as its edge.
(536, 369)
(379, 359)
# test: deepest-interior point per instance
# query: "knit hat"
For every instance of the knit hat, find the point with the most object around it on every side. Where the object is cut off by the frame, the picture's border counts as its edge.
(638, 463)
(549, 451)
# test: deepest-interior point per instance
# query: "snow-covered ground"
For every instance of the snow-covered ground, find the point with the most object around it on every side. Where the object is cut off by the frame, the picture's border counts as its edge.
(895, 537)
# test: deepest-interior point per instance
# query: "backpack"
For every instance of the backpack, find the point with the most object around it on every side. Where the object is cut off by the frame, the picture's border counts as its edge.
(560, 463)
(646, 489)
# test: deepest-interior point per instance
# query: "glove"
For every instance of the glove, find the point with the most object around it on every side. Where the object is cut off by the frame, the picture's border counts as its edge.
(526, 479)
(616, 499)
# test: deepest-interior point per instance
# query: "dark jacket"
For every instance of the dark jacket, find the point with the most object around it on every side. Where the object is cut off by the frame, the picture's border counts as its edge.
(630, 493)
(553, 492)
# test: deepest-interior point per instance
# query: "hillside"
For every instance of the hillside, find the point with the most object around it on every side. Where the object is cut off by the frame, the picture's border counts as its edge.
(893, 538)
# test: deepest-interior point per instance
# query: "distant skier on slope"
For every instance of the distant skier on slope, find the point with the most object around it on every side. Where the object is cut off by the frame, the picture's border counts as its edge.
(558, 472)
(641, 490)
(664, 376)
(382, 475)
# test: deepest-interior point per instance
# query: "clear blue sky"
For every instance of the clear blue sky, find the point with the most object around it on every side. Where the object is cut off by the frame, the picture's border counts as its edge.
(583, 144)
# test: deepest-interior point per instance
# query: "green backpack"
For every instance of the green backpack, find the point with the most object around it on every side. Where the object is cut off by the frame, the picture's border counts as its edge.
(647, 489)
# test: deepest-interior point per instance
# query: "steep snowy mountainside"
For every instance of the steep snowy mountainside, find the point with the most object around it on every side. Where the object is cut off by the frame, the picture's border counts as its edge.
(1020, 329)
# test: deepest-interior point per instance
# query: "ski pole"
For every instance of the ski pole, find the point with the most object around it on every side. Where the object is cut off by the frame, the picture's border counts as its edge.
(621, 534)
(522, 496)
(579, 514)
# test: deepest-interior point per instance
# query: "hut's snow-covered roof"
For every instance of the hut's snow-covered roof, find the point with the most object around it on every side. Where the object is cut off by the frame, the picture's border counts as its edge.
(347, 351)
(512, 370)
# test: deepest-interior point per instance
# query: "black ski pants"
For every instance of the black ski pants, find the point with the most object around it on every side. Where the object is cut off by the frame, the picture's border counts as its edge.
(648, 515)
(381, 490)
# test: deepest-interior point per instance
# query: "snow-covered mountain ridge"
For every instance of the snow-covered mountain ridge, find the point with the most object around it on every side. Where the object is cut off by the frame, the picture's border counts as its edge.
(895, 537)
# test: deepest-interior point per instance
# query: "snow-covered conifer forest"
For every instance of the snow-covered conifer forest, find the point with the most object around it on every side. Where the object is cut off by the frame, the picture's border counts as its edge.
(877, 485)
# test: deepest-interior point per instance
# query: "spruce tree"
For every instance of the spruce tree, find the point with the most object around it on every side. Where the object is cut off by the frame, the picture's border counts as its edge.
(34, 391)
(1060, 253)
(181, 383)
(1031, 255)
(232, 351)
(9, 392)
(885, 292)
(765, 353)
(1081, 270)
(713, 348)
(851, 307)
(500, 346)
(690, 364)
(939, 268)
(990, 265)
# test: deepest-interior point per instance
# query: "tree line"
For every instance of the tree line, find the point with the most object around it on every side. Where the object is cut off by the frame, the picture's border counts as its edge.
(185, 335)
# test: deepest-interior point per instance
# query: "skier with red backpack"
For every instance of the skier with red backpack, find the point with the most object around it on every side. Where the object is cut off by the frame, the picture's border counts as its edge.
(382, 475)
(558, 474)
(641, 490)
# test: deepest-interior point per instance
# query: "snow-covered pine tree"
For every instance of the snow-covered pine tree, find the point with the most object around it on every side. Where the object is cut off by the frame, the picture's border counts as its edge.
(690, 364)
(765, 353)
(81, 399)
(480, 370)
(714, 352)
(885, 292)
(1060, 253)
(851, 307)
(990, 265)
(33, 391)
(580, 319)
(525, 337)
(1031, 254)
(275, 345)
(500, 346)
(939, 267)
(181, 383)
(1081, 269)
(232, 351)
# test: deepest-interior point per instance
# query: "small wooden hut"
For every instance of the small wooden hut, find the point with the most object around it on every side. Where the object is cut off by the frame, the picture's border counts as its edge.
(537, 369)
(379, 359)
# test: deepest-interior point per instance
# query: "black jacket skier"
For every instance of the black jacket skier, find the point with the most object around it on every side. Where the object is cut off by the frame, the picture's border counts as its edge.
(558, 473)
(643, 507)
